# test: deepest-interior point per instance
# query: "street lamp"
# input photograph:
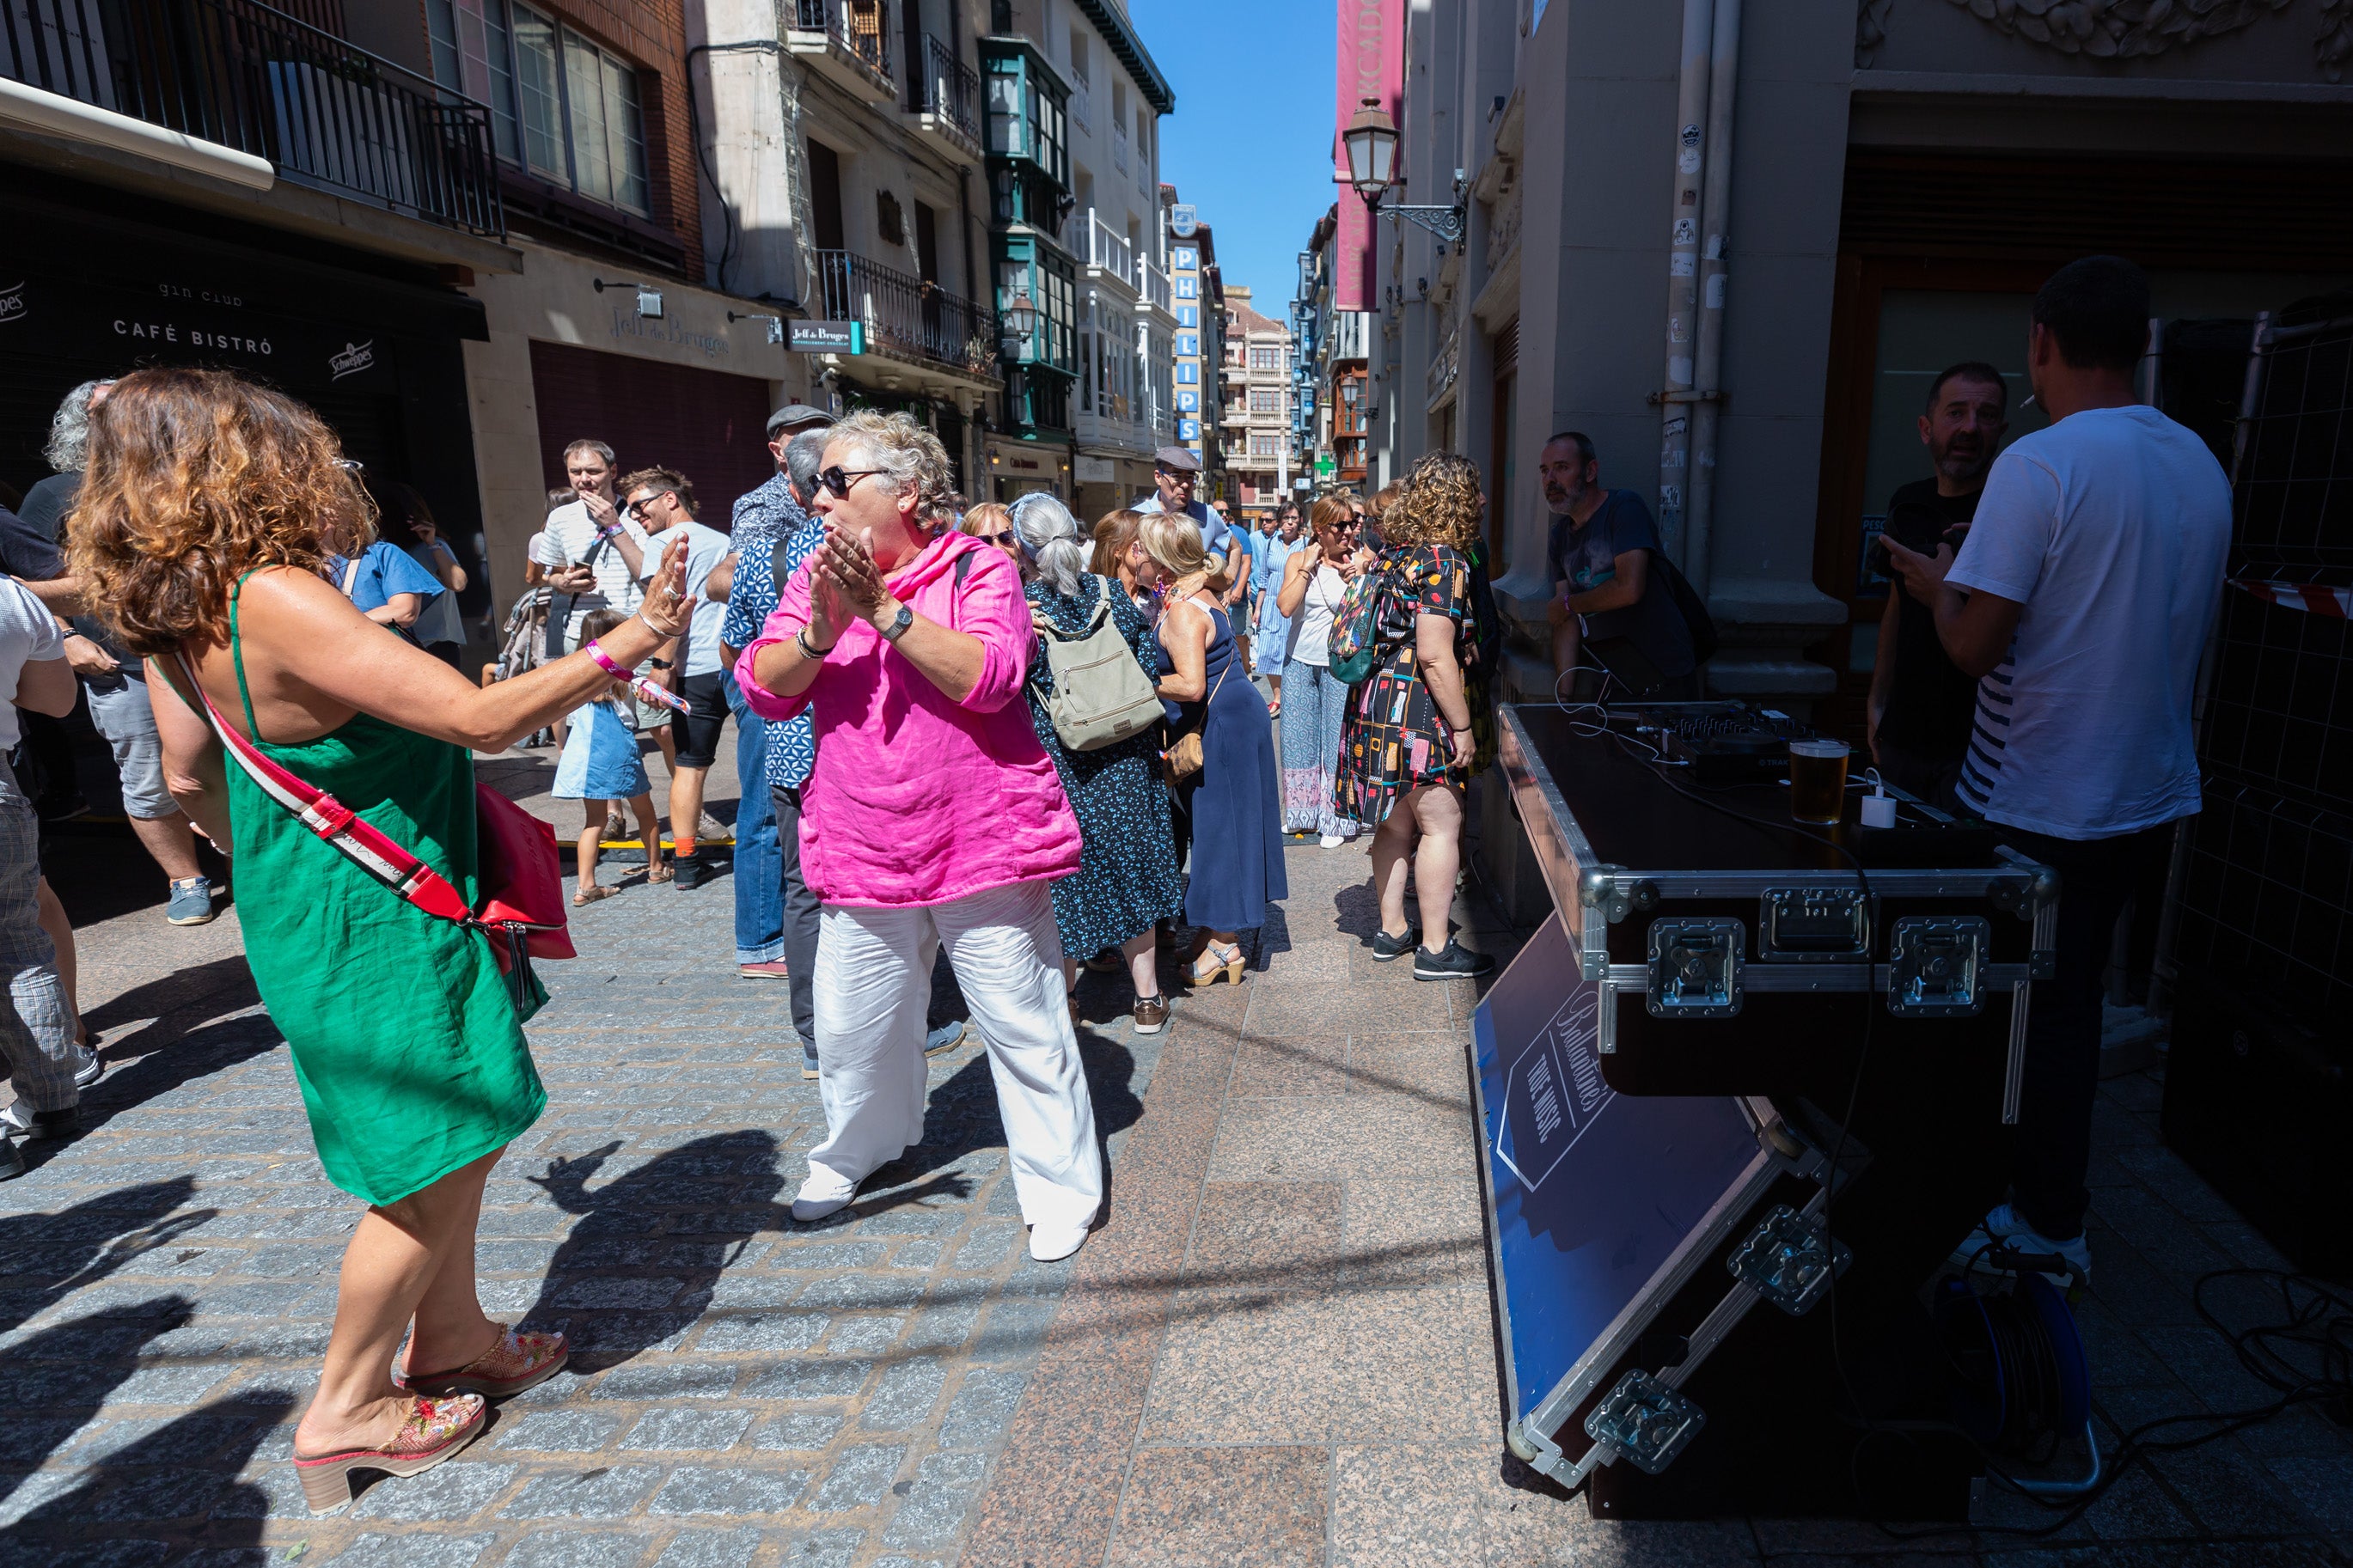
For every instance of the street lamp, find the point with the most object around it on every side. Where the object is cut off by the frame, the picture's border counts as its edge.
(1021, 321)
(1371, 140)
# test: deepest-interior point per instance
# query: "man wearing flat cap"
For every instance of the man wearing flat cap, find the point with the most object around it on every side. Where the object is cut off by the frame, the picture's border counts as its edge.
(1176, 471)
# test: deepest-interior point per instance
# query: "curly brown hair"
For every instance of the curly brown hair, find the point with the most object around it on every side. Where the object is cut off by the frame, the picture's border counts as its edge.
(1439, 502)
(196, 477)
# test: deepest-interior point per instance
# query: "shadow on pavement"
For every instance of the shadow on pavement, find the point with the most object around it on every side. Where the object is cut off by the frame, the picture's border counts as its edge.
(176, 1485)
(641, 1265)
(48, 1255)
(57, 1380)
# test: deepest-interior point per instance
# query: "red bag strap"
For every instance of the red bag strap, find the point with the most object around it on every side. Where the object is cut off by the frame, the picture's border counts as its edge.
(411, 878)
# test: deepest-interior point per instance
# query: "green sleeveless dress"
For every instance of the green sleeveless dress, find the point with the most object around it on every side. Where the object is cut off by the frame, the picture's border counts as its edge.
(407, 1047)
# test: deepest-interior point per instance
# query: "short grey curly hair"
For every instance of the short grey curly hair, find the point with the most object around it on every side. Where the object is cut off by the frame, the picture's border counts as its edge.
(69, 448)
(908, 456)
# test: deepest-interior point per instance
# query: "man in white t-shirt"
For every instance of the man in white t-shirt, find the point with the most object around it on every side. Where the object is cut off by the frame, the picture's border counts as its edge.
(36, 1026)
(594, 556)
(2082, 601)
(661, 502)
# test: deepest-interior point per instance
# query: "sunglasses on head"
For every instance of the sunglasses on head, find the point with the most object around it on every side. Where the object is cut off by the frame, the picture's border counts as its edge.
(837, 480)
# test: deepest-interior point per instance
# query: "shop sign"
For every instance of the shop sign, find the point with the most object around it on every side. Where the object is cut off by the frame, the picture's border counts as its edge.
(1324, 466)
(173, 323)
(1184, 220)
(1094, 471)
(826, 337)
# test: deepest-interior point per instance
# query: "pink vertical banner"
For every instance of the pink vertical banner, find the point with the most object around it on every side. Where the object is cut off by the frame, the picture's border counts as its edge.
(1372, 65)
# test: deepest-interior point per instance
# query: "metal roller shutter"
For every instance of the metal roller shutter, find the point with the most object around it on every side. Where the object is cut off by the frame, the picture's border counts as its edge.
(708, 424)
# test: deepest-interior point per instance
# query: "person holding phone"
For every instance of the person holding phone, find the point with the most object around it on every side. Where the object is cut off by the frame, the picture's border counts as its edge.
(204, 532)
(1922, 704)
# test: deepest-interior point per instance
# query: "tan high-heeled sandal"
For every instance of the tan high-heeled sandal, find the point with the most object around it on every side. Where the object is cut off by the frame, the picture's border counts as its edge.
(436, 1430)
(1221, 958)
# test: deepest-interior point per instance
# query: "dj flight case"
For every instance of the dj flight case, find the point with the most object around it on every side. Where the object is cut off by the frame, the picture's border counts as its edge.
(1665, 1079)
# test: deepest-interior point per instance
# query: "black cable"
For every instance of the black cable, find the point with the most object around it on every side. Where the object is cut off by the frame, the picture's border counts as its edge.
(729, 228)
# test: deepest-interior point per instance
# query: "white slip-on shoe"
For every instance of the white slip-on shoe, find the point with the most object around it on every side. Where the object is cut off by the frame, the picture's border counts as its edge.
(808, 1210)
(1052, 1243)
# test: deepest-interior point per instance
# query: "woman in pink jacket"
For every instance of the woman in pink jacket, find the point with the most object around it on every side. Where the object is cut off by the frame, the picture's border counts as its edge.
(934, 815)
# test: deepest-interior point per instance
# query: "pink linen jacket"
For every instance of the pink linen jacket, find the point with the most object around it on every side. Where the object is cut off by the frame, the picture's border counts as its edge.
(917, 798)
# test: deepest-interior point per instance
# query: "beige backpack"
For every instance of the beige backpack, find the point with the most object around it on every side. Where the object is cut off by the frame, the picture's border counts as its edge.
(1101, 695)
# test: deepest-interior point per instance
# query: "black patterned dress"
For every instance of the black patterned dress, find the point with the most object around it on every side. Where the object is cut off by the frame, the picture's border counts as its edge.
(1393, 739)
(1126, 879)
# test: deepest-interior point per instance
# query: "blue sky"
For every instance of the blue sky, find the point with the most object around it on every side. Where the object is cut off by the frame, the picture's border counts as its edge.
(1251, 143)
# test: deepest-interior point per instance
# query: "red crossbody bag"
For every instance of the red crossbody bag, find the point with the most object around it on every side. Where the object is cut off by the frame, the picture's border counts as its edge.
(518, 869)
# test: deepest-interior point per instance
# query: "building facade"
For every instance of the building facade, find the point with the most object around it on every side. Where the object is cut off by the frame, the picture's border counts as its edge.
(1330, 377)
(1742, 295)
(1255, 376)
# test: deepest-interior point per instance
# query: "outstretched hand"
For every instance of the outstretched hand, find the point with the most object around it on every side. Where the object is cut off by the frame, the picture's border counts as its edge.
(668, 607)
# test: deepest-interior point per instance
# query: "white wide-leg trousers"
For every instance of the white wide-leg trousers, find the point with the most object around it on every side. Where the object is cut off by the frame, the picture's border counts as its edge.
(874, 986)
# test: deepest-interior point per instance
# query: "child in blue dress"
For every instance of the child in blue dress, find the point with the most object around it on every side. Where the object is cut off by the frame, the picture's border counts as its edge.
(600, 764)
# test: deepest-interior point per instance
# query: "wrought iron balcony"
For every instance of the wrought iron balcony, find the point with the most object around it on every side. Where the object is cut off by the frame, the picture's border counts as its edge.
(844, 41)
(947, 88)
(240, 74)
(904, 314)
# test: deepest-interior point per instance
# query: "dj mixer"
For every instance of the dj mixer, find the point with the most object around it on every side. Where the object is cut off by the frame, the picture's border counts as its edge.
(1719, 740)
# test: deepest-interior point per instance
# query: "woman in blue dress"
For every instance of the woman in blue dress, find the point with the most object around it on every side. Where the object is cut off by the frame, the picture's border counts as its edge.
(1127, 882)
(599, 765)
(1236, 799)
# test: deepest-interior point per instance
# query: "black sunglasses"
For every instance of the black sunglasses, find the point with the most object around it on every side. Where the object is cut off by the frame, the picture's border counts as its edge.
(1003, 541)
(837, 480)
(636, 508)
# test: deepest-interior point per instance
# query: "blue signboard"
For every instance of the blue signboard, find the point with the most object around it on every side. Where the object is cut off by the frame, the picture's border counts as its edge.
(1593, 1192)
(1188, 429)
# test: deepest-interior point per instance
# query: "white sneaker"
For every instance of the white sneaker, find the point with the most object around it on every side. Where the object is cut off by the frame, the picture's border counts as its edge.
(89, 1069)
(1052, 1243)
(1331, 841)
(808, 1210)
(2003, 1243)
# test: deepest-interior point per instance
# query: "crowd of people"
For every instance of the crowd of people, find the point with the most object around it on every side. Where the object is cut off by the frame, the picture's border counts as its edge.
(986, 729)
(983, 728)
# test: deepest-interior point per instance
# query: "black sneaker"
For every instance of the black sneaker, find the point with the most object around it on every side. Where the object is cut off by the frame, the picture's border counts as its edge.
(693, 871)
(1453, 961)
(1386, 947)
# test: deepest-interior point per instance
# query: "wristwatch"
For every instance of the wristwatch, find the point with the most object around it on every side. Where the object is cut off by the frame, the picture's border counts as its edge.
(899, 625)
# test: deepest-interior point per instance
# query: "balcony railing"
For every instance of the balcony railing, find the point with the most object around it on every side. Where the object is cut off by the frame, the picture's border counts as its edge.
(859, 25)
(1078, 104)
(948, 87)
(1119, 148)
(907, 314)
(324, 112)
(1107, 248)
(1153, 285)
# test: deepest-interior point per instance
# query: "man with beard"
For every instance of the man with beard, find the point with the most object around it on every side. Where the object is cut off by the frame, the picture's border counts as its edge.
(1921, 705)
(1607, 601)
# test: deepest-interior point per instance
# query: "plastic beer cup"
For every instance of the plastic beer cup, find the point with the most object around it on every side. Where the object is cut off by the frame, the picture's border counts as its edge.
(1818, 780)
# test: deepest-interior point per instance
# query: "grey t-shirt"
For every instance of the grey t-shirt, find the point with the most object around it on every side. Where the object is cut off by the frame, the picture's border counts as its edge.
(1586, 558)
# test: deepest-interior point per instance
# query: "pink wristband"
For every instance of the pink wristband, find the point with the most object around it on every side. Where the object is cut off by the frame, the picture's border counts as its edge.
(646, 689)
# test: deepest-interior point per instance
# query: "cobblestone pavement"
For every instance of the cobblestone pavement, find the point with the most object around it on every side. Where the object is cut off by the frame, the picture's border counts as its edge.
(748, 1389)
(1278, 1353)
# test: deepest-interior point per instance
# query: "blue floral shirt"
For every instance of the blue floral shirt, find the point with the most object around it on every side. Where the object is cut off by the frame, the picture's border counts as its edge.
(791, 746)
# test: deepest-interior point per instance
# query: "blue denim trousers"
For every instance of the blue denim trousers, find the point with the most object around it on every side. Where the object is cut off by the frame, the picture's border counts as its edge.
(759, 862)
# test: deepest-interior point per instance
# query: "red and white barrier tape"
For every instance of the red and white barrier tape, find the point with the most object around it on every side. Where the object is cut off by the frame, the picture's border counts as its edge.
(2312, 596)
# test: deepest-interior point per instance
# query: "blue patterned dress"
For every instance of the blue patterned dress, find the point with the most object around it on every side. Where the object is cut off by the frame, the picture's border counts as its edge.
(1127, 881)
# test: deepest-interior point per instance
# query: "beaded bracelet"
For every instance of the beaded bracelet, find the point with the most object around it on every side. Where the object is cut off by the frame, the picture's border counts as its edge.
(646, 689)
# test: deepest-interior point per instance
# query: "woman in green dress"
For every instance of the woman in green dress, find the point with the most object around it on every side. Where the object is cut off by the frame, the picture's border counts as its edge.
(202, 533)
